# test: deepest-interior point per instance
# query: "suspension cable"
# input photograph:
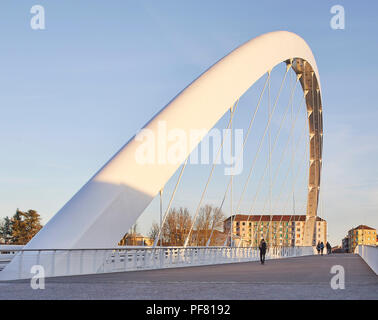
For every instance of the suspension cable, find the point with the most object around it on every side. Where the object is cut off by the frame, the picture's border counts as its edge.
(170, 202)
(244, 143)
(291, 216)
(263, 137)
(209, 178)
(288, 171)
(274, 144)
(280, 162)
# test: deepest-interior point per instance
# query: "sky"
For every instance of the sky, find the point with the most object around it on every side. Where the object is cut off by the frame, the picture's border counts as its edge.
(71, 95)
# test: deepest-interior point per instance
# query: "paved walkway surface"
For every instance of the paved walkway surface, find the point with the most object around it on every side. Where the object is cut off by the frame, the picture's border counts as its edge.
(291, 278)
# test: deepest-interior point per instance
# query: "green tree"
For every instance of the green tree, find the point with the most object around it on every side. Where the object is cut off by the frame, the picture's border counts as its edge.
(25, 225)
(6, 230)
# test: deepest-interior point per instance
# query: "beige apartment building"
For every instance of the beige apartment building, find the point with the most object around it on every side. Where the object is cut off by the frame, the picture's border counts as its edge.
(277, 230)
(362, 235)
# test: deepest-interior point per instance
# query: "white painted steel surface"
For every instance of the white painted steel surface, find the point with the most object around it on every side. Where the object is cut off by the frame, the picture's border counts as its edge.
(370, 255)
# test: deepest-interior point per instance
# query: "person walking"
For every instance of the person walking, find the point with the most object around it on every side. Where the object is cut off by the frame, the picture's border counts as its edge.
(318, 247)
(321, 247)
(329, 248)
(262, 248)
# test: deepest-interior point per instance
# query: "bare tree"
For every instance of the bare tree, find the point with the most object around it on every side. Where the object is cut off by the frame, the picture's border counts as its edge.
(179, 221)
(176, 227)
(154, 231)
(209, 219)
(183, 225)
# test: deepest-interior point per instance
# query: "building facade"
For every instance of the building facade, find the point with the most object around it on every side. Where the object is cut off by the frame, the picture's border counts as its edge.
(135, 239)
(277, 230)
(361, 235)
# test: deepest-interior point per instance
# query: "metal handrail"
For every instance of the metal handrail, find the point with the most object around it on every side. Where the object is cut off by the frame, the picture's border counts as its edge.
(139, 248)
(62, 262)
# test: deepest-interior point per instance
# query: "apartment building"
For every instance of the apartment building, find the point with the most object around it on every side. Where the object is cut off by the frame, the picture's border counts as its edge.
(277, 230)
(362, 235)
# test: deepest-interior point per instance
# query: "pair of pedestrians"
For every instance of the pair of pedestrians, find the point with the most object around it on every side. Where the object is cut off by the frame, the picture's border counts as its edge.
(320, 247)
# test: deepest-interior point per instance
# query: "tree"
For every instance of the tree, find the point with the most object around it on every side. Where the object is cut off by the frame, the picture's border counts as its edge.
(176, 227)
(179, 221)
(208, 220)
(154, 231)
(25, 225)
(6, 230)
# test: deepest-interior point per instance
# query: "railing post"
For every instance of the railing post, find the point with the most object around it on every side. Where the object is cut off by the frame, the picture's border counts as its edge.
(38, 257)
(94, 262)
(104, 260)
(125, 258)
(81, 261)
(145, 257)
(135, 259)
(170, 256)
(53, 264)
(68, 261)
(20, 265)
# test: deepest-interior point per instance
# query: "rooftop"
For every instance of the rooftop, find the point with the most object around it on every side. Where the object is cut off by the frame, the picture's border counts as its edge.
(246, 217)
(363, 227)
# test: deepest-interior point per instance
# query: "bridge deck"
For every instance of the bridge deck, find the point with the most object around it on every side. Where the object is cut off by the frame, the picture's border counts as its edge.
(292, 278)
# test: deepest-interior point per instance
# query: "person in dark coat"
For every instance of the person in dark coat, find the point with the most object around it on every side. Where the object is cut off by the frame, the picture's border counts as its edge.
(318, 247)
(321, 247)
(329, 248)
(262, 248)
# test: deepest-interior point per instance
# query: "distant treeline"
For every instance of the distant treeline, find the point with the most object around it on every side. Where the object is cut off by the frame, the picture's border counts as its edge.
(20, 228)
(178, 223)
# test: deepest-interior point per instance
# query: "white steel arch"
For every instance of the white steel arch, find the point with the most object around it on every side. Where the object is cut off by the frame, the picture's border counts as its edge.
(111, 201)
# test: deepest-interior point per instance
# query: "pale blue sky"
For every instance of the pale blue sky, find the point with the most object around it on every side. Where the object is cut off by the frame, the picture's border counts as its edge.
(73, 94)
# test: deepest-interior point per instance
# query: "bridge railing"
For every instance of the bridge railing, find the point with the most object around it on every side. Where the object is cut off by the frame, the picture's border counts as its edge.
(65, 262)
(7, 252)
(369, 254)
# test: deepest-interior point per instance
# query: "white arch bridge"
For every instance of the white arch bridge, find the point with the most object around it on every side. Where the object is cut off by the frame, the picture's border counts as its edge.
(81, 237)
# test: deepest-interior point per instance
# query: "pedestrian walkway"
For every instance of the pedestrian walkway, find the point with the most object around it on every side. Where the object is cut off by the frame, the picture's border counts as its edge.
(292, 278)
